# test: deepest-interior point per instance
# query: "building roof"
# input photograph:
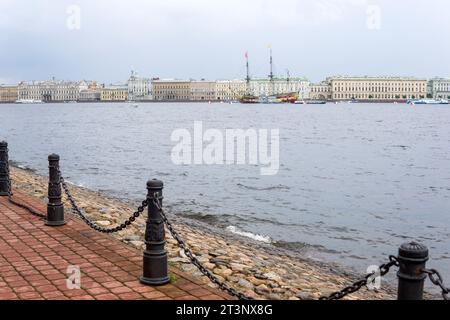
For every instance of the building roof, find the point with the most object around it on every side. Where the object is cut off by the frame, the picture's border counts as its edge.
(375, 78)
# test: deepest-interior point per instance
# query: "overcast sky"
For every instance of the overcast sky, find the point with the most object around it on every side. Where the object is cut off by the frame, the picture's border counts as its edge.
(40, 39)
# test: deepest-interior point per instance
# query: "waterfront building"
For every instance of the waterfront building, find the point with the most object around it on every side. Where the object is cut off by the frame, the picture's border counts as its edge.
(65, 91)
(90, 95)
(230, 90)
(139, 89)
(320, 91)
(89, 91)
(377, 88)
(49, 91)
(171, 90)
(202, 90)
(439, 88)
(8, 93)
(277, 86)
(114, 93)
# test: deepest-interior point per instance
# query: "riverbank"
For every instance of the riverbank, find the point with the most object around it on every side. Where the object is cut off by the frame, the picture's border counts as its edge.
(256, 269)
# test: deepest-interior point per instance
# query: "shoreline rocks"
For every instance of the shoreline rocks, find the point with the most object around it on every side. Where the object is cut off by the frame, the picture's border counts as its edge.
(258, 270)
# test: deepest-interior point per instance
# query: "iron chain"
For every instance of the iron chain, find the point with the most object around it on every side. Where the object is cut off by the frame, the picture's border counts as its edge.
(384, 269)
(183, 245)
(437, 280)
(19, 204)
(96, 227)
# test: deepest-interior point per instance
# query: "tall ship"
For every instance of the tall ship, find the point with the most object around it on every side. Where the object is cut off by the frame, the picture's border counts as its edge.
(248, 97)
(272, 97)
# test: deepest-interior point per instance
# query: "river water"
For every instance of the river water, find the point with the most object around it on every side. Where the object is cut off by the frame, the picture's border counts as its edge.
(355, 180)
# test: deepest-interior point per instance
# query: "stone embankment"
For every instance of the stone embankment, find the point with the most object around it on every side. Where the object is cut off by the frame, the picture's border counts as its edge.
(258, 270)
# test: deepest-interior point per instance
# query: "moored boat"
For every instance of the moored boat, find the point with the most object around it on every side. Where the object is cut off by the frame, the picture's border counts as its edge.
(316, 102)
(427, 101)
(28, 101)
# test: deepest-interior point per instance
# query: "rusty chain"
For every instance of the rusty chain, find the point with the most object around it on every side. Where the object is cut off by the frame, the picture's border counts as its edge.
(437, 280)
(183, 245)
(384, 269)
(94, 226)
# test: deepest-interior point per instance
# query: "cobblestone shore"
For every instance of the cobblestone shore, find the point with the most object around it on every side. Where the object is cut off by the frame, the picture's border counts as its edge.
(260, 271)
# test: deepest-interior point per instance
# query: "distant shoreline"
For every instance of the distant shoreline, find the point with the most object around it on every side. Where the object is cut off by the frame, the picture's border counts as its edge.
(215, 102)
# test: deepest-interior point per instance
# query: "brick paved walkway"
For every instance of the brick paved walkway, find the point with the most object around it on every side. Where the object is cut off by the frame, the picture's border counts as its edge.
(34, 260)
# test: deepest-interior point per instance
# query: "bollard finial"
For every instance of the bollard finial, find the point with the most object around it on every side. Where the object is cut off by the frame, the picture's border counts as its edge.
(155, 184)
(53, 157)
(413, 250)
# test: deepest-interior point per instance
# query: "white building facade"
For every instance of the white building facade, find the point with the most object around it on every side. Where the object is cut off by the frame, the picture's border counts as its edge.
(439, 88)
(320, 91)
(139, 88)
(49, 91)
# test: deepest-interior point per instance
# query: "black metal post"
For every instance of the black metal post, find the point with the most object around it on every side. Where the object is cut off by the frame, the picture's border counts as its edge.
(55, 207)
(412, 258)
(155, 255)
(4, 169)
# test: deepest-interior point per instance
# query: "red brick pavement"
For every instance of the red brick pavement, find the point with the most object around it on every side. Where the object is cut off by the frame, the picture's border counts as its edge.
(34, 260)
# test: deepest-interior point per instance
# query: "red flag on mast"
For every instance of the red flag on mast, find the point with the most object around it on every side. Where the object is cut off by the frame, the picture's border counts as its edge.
(246, 54)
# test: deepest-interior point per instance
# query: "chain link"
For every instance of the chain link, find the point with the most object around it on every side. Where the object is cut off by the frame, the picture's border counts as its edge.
(384, 269)
(19, 204)
(94, 226)
(437, 280)
(183, 245)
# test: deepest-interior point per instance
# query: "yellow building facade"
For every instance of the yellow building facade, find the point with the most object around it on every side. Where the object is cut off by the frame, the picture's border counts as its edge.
(202, 90)
(114, 93)
(8, 94)
(377, 88)
(171, 90)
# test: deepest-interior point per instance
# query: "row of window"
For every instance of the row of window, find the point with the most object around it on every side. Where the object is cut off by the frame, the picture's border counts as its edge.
(378, 89)
(443, 87)
(320, 89)
(377, 96)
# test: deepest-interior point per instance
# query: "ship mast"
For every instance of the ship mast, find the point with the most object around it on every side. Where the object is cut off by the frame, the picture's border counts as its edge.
(271, 76)
(247, 79)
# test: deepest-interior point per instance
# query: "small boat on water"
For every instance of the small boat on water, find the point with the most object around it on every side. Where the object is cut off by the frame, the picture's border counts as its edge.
(310, 102)
(427, 101)
(29, 101)
(316, 102)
